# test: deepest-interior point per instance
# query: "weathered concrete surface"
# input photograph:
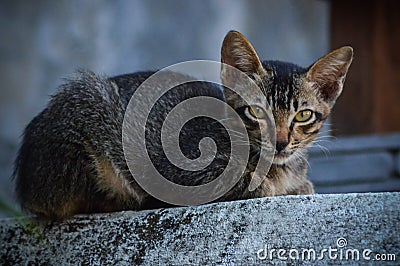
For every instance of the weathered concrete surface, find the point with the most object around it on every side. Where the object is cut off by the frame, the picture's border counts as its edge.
(229, 233)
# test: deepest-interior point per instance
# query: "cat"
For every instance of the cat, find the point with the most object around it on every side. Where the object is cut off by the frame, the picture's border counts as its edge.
(71, 159)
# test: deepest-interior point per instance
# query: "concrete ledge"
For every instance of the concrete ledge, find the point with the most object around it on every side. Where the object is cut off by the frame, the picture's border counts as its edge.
(229, 233)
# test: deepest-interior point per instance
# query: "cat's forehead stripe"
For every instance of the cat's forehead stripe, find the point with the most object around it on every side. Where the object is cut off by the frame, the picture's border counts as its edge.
(281, 94)
(281, 89)
(295, 105)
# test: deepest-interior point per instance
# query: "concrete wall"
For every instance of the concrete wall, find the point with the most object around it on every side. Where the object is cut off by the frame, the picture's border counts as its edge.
(45, 41)
(230, 233)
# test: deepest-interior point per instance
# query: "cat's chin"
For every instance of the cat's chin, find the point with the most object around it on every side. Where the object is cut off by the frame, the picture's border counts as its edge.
(281, 159)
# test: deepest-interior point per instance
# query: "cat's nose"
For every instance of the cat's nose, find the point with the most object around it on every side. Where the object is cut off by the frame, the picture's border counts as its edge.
(282, 138)
(281, 145)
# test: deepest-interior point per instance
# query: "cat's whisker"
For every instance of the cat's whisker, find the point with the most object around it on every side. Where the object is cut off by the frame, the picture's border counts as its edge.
(229, 129)
(325, 150)
(237, 135)
(326, 137)
(234, 131)
(327, 133)
(241, 144)
(226, 119)
(220, 120)
(302, 156)
(320, 141)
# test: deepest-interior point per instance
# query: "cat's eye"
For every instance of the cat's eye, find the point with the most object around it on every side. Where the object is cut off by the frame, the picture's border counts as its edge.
(303, 116)
(257, 112)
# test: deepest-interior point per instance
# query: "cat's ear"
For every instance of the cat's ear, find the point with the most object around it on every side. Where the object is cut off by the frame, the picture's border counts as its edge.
(236, 51)
(328, 74)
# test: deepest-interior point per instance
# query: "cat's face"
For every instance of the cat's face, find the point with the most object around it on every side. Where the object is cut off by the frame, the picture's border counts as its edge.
(298, 111)
(300, 98)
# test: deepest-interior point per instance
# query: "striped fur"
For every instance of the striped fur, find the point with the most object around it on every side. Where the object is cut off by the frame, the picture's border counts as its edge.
(289, 89)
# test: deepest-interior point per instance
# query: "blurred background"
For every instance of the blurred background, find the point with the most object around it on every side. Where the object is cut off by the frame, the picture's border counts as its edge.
(44, 41)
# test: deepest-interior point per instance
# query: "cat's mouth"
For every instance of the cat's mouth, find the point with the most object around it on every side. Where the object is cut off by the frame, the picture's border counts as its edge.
(279, 158)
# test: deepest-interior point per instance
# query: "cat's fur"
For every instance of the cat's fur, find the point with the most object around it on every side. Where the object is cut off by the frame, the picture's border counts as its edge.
(71, 159)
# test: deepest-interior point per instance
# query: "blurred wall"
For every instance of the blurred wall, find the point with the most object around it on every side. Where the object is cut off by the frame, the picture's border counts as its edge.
(370, 102)
(46, 41)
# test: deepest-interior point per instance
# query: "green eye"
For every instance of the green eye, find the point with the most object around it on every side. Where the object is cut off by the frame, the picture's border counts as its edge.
(303, 116)
(257, 112)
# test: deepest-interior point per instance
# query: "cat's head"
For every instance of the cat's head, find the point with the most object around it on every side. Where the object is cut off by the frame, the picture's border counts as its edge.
(300, 98)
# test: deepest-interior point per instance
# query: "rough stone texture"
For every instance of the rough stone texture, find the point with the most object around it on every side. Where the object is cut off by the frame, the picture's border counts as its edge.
(229, 233)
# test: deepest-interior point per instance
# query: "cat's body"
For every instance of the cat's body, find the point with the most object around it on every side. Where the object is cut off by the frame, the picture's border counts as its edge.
(72, 161)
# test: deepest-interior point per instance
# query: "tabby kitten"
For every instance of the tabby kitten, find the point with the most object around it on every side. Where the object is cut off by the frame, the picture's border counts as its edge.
(301, 100)
(72, 161)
